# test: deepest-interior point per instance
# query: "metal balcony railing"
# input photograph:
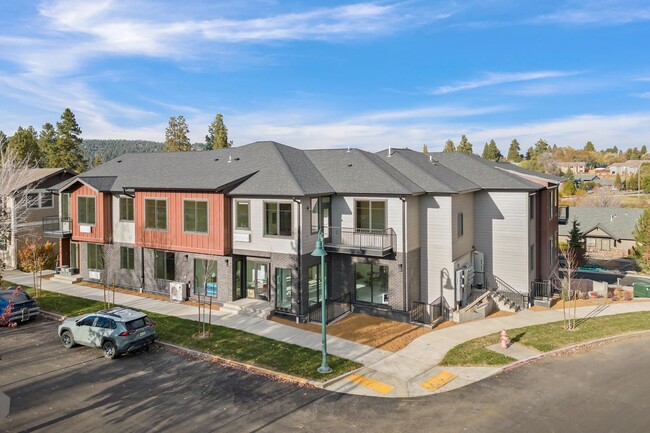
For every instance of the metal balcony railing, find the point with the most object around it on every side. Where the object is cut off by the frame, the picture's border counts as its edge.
(57, 227)
(371, 242)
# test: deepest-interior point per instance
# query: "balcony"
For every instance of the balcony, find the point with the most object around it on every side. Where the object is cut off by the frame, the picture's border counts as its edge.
(365, 242)
(55, 227)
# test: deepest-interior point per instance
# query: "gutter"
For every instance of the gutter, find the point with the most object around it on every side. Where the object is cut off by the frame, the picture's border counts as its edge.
(404, 258)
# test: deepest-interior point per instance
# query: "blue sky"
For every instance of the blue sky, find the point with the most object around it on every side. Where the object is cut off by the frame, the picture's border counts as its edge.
(333, 74)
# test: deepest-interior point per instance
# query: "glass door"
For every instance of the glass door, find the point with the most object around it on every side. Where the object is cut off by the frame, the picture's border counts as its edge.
(239, 278)
(283, 288)
(74, 255)
(257, 280)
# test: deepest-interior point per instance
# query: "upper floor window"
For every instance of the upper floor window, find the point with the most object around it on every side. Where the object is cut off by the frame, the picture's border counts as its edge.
(460, 222)
(126, 209)
(315, 215)
(243, 215)
(277, 219)
(320, 214)
(65, 205)
(155, 214)
(195, 216)
(86, 210)
(37, 200)
(531, 206)
(371, 215)
(32, 200)
(46, 199)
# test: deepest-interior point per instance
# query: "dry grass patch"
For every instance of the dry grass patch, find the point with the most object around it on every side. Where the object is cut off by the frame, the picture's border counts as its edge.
(372, 331)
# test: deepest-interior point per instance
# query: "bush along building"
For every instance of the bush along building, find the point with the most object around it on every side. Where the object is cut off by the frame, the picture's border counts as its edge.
(405, 232)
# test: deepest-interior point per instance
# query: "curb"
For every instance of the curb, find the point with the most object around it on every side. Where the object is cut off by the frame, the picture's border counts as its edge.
(52, 316)
(573, 348)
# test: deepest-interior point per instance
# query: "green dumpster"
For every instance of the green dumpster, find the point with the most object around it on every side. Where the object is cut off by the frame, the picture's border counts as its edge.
(641, 288)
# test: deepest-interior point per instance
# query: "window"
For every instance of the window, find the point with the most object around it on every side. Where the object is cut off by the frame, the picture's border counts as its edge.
(32, 200)
(320, 215)
(3, 243)
(314, 283)
(46, 199)
(371, 283)
(65, 205)
(88, 321)
(278, 219)
(195, 216)
(551, 249)
(155, 214)
(371, 215)
(283, 288)
(127, 258)
(532, 257)
(461, 227)
(164, 265)
(126, 209)
(315, 217)
(243, 216)
(205, 277)
(106, 323)
(95, 257)
(86, 209)
(531, 206)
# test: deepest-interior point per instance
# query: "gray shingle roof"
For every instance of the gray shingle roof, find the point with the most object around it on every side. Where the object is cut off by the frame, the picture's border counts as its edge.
(618, 222)
(36, 177)
(426, 172)
(513, 167)
(356, 171)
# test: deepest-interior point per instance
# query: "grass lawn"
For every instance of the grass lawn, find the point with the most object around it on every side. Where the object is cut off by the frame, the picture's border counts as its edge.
(225, 342)
(546, 337)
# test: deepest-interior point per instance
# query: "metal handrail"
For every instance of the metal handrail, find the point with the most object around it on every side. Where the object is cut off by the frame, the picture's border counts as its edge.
(56, 224)
(513, 295)
(421, 312)
(335, 308)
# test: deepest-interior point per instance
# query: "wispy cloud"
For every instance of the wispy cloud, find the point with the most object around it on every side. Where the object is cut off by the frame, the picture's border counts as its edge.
(607, 12)
(498, 78)
(645, 95)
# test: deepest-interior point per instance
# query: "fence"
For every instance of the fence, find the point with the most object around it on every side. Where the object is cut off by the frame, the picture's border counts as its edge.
(335, 308)
(428, 313)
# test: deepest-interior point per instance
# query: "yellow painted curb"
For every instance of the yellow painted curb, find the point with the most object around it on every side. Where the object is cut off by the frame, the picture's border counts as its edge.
(438, 381)
(373, 384)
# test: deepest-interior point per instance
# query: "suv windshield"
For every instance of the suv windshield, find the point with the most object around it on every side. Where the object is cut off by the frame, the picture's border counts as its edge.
(135, 324)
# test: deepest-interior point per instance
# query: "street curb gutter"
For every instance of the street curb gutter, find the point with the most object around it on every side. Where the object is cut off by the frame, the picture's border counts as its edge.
(573, 349)
(229, 362)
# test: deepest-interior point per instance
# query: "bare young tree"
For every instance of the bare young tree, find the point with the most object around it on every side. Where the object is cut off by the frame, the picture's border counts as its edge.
(600, 197)
(209, 271)
(569, 285)
(15, 196)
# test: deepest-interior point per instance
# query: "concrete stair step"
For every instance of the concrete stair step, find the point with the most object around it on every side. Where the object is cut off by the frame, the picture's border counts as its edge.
(70, 279)
(250, 308)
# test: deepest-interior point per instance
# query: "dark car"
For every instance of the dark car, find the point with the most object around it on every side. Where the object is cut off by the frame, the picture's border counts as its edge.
(18, 305)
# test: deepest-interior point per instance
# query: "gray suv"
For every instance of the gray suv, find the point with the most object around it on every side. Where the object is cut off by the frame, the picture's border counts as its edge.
(117, 330)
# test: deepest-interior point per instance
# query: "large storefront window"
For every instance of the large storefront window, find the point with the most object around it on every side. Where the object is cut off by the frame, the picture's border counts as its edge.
(205, 277)
(371, 283)
(257, 280)
(313, 276)
(283, 288)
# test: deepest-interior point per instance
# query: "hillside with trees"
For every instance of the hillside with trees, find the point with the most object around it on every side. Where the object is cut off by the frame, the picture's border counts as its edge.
(109, 149)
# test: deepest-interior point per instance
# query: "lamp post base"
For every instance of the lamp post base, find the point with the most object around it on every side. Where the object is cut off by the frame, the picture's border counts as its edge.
(324, 369)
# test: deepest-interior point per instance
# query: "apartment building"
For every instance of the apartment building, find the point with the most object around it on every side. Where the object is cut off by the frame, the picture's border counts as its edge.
(399, 226)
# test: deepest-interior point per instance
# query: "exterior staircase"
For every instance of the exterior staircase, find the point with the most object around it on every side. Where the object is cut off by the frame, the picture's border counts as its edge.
(70, 279)
(249, 307)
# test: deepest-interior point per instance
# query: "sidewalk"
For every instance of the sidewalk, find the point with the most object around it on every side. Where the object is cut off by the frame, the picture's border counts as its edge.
(411, 372)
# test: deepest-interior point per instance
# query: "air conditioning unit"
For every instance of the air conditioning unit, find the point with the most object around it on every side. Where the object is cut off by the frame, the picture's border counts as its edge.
(95, 275)
(177, 291)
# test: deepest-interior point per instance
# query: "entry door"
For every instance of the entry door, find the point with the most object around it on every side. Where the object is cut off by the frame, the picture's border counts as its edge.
(239, 278)
(257, 280)
(74, 255)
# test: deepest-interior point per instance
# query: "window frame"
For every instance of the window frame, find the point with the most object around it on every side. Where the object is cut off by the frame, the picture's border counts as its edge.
(279, 219)
(156, 200)
(371, 281)
(370, 202)
(98, 257)
(248, 215)
(196, 219)
(127, 258)
(42, 196)
(125, 209)
(94, 213)
(460, 224)
(167, 257)
(33, 200)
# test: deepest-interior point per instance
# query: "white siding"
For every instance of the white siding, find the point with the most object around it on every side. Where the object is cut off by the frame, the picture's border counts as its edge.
(412, 223)
(464, 204)
(259, 242)
(435, 248)
(123, 231)
(501, 231)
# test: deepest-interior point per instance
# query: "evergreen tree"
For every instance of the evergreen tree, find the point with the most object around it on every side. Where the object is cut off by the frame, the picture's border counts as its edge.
(449, 146)
(425, 149)
(47, 142)
(176, 138)
(644, 150)
(97, 161)
(3, 141)
(217, 137)
(25, 143)
(589, 147)
(576, 243)
(464, 146)
(642, 238)
(618, 182)
(541, 146)
(569, 174)
(632, 182)
(569, 187)
(67, 152)
(513, 151)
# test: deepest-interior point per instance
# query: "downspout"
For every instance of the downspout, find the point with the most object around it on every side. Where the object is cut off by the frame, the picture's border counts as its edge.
(404, 259)
(299, 250)
(142, 266)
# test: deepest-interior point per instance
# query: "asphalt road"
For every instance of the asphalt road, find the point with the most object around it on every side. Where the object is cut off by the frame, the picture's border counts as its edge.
(57, 390)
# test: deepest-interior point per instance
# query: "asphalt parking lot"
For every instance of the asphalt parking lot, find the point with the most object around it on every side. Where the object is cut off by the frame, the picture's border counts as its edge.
(53, 389)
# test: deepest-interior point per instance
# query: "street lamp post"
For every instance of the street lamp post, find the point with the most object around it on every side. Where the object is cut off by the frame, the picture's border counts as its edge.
(319, 251)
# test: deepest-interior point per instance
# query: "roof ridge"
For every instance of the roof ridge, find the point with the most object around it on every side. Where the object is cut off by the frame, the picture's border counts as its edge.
(366, 154)
(286, 164)
(447, 168)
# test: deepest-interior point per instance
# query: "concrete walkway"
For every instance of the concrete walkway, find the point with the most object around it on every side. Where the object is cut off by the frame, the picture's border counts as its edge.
(411, 372)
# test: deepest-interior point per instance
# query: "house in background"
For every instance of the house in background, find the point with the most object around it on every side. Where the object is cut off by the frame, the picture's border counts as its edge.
(626, 168)
(606, 230)
(575, 167)
(42, 205)
(400, 227)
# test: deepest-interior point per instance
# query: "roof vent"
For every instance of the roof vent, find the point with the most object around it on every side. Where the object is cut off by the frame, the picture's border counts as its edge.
(216, 159)
(348, 149)
(349, 164)
(229, 159)
(612, 216)
(389, 152)
(119, 160)
(236, 159)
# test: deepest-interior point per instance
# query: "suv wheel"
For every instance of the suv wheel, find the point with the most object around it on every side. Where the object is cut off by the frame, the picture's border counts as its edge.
(67, 339)
(109, 349)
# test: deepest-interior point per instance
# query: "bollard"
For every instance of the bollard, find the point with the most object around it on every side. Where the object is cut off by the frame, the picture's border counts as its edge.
(505, 341)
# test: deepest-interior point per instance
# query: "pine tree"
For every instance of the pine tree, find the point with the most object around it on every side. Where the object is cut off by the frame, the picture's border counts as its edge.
(644, 150)
(449, 146)
(464, 146)
(514, 151)
(176, 138)
(576, 243)
(618, 182)
(589, 147)
(67, 152)
(632, 182)
(486, 152)
(425, 149)
(217, 137)
(642, 238)
(97, 160)
(494, 153)
(569, 187)
(47, 142)
(25, 144)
